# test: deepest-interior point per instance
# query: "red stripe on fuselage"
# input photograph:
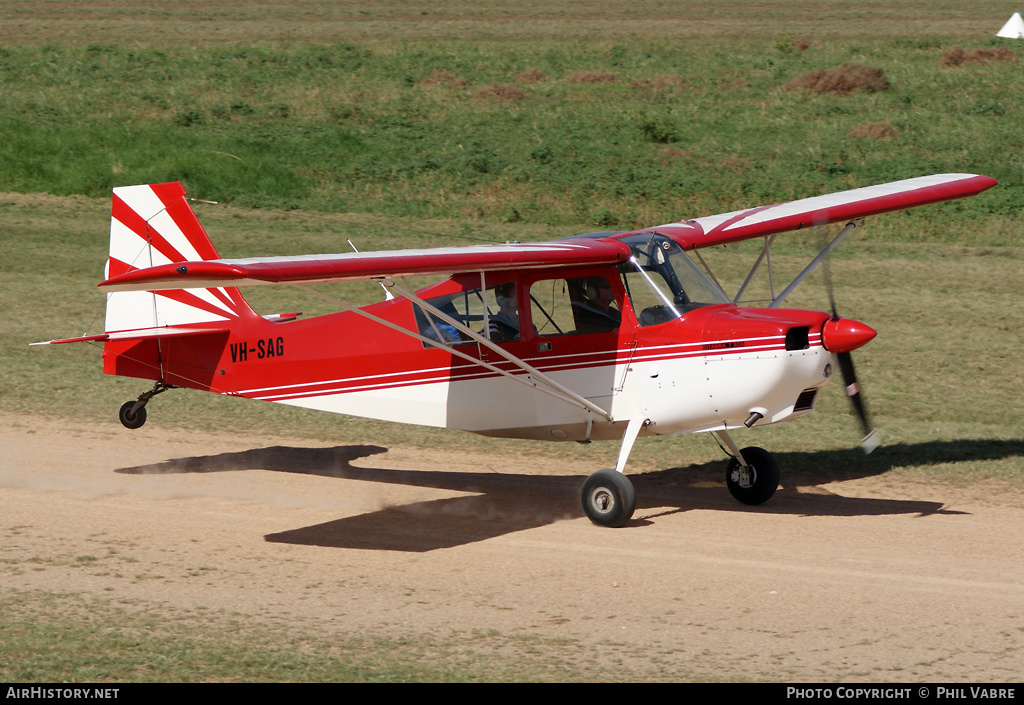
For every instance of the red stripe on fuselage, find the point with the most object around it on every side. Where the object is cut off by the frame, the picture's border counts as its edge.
(460, 371)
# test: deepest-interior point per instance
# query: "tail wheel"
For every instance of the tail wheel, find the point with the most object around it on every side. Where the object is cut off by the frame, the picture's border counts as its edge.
(756, 483)
(129, 418)
(608, 498)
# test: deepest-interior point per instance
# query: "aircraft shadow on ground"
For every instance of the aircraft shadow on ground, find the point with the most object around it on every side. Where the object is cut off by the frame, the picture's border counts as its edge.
(505, 503)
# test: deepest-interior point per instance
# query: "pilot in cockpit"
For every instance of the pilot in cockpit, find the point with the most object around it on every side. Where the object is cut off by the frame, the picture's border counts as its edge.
(595, 310)
(503, 326)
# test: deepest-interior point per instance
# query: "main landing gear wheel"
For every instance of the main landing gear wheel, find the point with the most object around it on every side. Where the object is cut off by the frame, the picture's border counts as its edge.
(756, 483)
(132, 419)
(608, 498)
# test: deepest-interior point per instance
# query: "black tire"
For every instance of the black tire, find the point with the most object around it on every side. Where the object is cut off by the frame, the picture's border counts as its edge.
(759, 488)
(129, 419)
(608, 498)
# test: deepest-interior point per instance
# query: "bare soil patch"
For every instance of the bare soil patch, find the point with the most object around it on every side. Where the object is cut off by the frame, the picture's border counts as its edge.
(660, 83)
(437, 77)
(533, 75)
(497, 91)
(957, 56)
(844, 80)
(592, 77)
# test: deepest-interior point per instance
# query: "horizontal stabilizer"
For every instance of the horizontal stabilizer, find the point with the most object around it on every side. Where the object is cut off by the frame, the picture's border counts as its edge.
(141, 334)
(84, 339)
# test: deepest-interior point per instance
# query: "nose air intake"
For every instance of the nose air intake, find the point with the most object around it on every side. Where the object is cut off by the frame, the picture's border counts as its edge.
(843, 335)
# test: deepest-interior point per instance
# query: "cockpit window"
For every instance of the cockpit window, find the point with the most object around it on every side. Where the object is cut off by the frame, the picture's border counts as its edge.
(574, 306)
(493, 312)
(662, 282)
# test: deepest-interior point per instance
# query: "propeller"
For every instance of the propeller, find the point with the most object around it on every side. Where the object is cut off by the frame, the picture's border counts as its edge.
(840, 336)
(870, 440)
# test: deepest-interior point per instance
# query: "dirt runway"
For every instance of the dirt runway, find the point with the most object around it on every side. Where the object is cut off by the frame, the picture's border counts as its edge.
(866, 580)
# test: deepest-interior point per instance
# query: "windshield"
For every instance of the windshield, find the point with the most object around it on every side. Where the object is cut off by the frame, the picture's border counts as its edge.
(662, 282)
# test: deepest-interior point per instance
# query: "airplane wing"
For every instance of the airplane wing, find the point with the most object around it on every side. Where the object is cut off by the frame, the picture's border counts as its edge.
(692, 234)
(823, 210)
(367, 265)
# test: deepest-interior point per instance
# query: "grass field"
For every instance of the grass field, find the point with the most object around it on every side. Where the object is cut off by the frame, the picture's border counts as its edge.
(401, 124)
(612, 133)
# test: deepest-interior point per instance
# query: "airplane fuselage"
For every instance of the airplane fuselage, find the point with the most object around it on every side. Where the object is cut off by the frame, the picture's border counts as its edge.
(710, 369)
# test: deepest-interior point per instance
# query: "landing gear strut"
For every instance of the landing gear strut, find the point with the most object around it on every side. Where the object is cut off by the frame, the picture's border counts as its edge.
(132, 414)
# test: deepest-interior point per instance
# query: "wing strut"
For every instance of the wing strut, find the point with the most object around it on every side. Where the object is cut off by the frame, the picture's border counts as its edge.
(766, 254)
(564, 392)
(553, 389)
(815, 262)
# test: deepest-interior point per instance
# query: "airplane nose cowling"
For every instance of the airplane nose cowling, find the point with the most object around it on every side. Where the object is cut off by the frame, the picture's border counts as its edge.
(842, 335)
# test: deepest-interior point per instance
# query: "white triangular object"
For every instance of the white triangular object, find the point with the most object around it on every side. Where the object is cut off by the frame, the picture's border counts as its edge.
(1013, 29)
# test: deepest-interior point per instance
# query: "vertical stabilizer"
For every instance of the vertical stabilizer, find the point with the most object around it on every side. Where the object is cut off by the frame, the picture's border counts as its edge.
(153, 224)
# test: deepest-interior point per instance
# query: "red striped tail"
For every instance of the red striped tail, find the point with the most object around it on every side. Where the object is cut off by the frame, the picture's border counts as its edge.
(153, 224)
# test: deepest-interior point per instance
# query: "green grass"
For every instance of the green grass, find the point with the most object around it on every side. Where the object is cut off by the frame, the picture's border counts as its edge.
(400, 125)
(92, 641)
(505, 132)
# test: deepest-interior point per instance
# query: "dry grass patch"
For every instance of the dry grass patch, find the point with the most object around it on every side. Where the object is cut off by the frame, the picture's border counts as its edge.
(787, 46)
(847, 79)
(957, 56)
(876, 131)
(438, 77)
(497, 91)
(659, 84)
(592, 77)
(676, 153)
(671, 156)
(533, 75)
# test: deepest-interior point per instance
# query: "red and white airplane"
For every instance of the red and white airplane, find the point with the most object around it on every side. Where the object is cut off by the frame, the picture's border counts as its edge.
(607, 336)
